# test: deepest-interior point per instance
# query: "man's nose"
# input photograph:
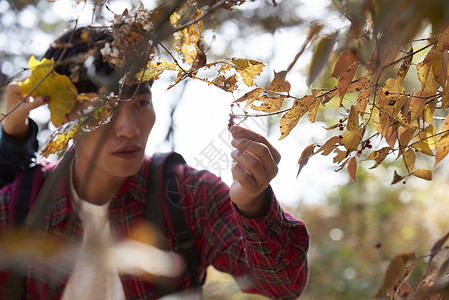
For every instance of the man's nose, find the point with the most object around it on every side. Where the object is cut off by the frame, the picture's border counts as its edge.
(125, 124)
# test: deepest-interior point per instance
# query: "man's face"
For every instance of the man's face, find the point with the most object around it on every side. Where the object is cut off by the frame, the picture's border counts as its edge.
(117, 149)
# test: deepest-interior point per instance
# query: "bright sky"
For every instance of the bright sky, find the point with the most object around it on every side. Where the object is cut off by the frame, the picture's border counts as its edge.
(202, 115)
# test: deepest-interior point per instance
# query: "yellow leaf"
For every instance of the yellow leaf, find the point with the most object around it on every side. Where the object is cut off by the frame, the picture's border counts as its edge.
(60, 141)
(152, 71)
(227, 84)
(378, 156)
(352, 168)
(443, 142)
(424, 70)
(429, 135)
(408, 159)
(291, 117)
(423, 147)
(248, 69)
(185, 41)
(60, 90)
(429, 111)
(279, 84)
(423, 174)
(351, 140)
(362, 99)
(405, 65)
(353, 120)
(250, 97)
(271, 104)
(361, 83)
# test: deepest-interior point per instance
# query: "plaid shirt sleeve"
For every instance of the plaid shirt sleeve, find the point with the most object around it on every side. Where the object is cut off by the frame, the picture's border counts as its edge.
(267, 255)
(16, 155)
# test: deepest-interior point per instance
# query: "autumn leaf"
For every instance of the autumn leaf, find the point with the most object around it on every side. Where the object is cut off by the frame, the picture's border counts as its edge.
(378, 156)
(271, 104)
(250, 96)
(227, 84)
(305, 155)
(443, 142)
(345, 80)
(340, 155)
(405, 66)
(351, 140)
(394, 271)
(437, 247)
(396, 178)
(405, 290)
(424, 71)
(185, 41)
(352, 168)
(406, 135)
(358, 85)
(292, 117)
(408, 158)
(423, 174)
(247, 68)
(417, 104)
(60, 90)
(362, 99)
(423, 147)
(353, 120)
(152, 71)
(321, 56)
(59, 141)
(279, 84)
(329, 145)
(345, 59)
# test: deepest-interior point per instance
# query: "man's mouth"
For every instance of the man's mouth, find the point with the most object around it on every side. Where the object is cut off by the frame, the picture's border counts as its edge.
(127, 152)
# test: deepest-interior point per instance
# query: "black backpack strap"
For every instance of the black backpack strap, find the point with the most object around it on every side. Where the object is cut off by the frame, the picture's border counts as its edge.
(165, 194)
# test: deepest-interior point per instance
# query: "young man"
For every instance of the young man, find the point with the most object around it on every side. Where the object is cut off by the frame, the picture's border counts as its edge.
(100, 195)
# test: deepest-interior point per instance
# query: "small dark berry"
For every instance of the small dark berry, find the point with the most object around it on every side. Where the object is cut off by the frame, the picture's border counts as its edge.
(359, 152)
(340, 121)
(369, 146)
(340, 137)
(378, 245)
(387, 93)
(232, 104)
(341, 128)
(404, 182)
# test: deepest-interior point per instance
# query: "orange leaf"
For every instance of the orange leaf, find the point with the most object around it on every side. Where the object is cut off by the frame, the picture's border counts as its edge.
(346, 59)
(417, 104)
(279, 84)
(329, 145)
(345, 80)
(352, 168)
(405, 66)
(406, 135)
(305, 155)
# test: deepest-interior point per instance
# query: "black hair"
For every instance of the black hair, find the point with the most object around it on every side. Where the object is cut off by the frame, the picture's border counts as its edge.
(77, 54)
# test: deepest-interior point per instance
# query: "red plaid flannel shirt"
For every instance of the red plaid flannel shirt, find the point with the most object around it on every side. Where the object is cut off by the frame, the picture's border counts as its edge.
(267, 255)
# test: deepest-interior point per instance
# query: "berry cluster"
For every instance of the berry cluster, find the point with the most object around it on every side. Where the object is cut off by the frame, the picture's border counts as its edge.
(340, 125)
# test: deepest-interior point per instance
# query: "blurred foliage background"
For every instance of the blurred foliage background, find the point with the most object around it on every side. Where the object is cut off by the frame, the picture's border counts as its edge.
(360, 226)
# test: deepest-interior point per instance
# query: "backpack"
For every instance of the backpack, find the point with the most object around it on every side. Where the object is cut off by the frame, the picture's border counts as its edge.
(161, 209)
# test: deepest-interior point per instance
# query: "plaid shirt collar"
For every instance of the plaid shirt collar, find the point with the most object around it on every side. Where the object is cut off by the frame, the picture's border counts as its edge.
(60, 196)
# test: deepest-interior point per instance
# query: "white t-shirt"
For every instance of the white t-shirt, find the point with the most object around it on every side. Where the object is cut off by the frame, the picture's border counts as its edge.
(93, 276)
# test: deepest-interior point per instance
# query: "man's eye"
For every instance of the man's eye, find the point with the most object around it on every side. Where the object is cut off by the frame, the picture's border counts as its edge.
(143, 103)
